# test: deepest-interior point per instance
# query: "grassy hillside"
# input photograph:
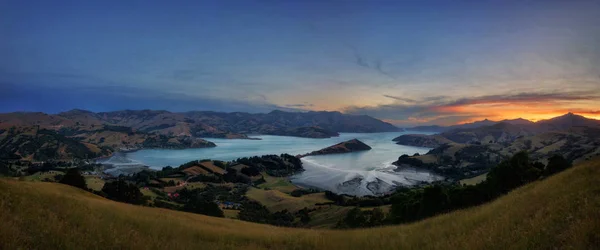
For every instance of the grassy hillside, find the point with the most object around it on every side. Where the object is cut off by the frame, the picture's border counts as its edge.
(276, 200)
(561, 212)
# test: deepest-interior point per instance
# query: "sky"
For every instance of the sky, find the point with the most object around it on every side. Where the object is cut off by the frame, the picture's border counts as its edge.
(405, 62)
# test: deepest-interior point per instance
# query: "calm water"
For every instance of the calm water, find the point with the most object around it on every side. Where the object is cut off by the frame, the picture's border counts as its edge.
(371, 170)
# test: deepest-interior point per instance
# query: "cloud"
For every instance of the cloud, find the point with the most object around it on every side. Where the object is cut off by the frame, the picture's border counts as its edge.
(362, 61)
(446, 110)
(299, 105)
(403, 99)
(527, 97)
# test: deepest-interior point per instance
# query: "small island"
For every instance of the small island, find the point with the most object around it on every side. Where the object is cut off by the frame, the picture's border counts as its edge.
(342, 147)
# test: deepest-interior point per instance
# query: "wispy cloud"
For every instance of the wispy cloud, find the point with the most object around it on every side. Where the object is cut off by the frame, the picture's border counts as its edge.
(403, 99)
(527, 97)
(374, 64)
(300, 105)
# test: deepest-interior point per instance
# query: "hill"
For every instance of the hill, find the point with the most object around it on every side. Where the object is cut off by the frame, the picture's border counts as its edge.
(205, 123)
(567, 121)
(353, 145)
(557, 123)
(437, 128)
(42, 144)
(467, 152)
(560, 212)
(107, 132)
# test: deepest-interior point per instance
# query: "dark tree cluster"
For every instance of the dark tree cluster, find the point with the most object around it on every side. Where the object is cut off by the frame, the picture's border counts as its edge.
(282, 165)
(204, 200)
(74, 178)
(250, 171)
(357, 217)
(255, 212)
(234, 177)
(303, 191)
(123, 191)
(364, 201)
(215, 193)
(479, 163)
(203, 205)
(6, 169)
(414, 204)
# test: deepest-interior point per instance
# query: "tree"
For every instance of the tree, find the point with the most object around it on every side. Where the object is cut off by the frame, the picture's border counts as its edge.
(250, 171)
(74, 178)
(512, 173)
(304, 215)
(201, 206)
(123, 191)
(377, 217)
(556, 164)
(230, 176)
(355, 218)
(434, 200)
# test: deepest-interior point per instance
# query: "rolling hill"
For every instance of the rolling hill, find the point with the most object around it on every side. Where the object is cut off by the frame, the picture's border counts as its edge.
(561, 122)
(204, 123)
(467, 152)
(349, 146)
(560, 212)
(107, 132)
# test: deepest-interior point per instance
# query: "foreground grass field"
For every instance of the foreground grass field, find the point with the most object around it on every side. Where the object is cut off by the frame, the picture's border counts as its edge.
(561, 212)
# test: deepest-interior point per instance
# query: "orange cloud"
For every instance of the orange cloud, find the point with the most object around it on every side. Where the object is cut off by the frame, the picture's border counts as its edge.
(447, 111)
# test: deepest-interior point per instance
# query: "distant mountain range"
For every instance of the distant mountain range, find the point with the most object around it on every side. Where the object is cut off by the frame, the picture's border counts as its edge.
(486, 122)
(206, 123)
(471, 149)
(563, 121)
(102, 133)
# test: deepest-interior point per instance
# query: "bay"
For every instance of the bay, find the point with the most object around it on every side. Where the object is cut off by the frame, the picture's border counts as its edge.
(358, 173)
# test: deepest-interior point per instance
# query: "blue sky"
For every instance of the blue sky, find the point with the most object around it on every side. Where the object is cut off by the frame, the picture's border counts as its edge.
(408, 62)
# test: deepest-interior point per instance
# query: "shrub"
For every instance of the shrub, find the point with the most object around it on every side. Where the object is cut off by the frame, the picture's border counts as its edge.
(123, 191)
(74, 178)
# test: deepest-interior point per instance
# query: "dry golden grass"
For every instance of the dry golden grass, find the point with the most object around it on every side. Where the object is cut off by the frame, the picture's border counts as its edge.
(277, 183)
(94, 183)
(195, 170)
(561, 212)
(474, 180)
(210, 165)
(327, 216)
(229, 213)
(276, 200)
(40, 176)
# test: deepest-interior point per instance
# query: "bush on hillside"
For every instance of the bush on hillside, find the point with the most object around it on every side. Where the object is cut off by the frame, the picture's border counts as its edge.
(556, 164)
(74, 178)
(202, 206)
(123, 191)
(414, 204)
